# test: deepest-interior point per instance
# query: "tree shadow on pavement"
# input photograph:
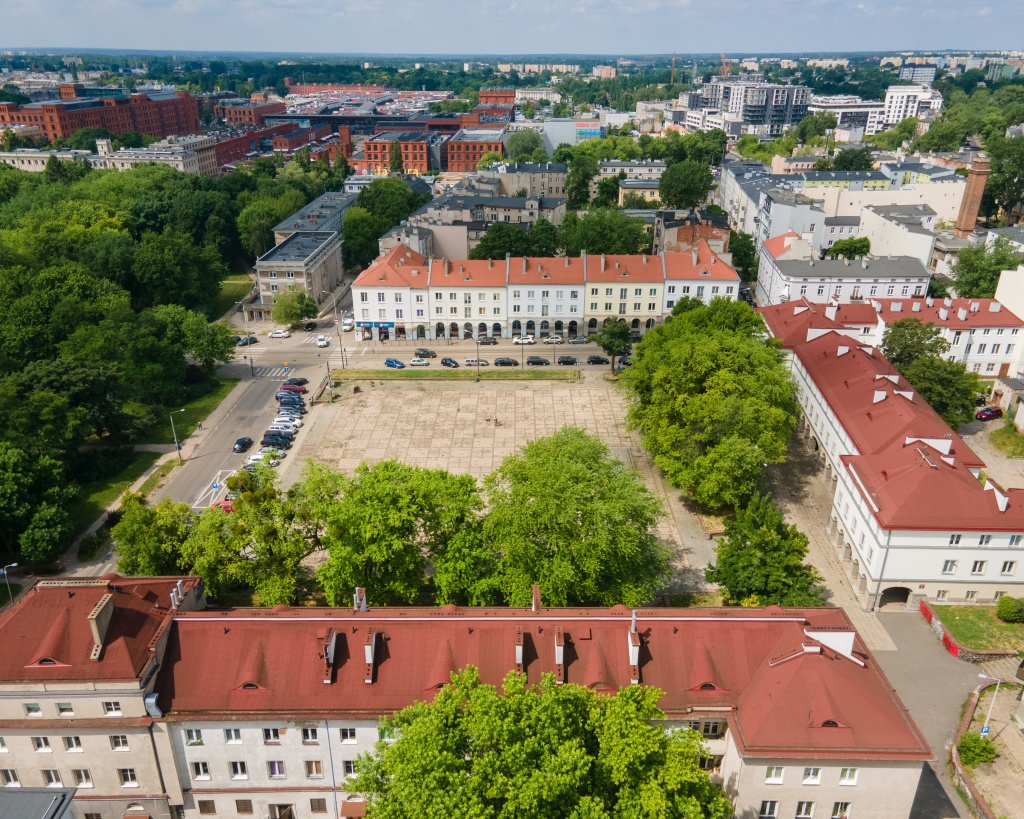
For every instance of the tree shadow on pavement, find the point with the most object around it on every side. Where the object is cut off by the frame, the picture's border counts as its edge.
(789, 481)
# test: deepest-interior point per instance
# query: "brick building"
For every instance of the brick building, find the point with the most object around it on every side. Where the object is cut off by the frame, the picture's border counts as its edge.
(497, 96)
(297, 137)
(466, 148)
(422, 151)
(248, 113)
(235, 149)
(159, 114)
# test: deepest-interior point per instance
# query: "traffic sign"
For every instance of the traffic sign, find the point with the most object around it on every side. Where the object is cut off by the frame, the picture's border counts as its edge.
(984, 730)
(213, 485)
(286, 370)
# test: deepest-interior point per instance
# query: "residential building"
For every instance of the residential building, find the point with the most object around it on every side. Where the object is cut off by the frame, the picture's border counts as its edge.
(422, 151)
(913, 517)
(537, 95)
(767, 109)
(325, 214)
(851, 111)
(242, 113)
(702, 118)
(304, 261)
(538, 180)
(698, 273)
(34, 160)
(919, 74)
(845, 180)
(828, 62)
(298, 137)
(903, 101)
(900, 230)
(837, 229)
(644, 169)
(174, 156)
(789, 270)
(676, 230)
(498, 96)
(204, 147)
(790, 165)
(604, 72)
(467, 147)
(77, 691)
(783, 211)
(646, 189)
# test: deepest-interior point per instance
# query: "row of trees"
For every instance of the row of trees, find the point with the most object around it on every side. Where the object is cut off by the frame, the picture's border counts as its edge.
(380, 206)
(561, 512)
(604, 230)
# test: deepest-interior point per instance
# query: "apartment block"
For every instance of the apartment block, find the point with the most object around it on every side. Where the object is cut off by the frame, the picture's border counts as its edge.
(851, 111)
(767, 109)
(902, 101)
(467, 148)
(307, 261)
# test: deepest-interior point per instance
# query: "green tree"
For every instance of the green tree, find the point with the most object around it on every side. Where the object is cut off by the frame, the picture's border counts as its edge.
(854, 159)
(608, 191)
(396, 163)
(909, 339)
(603, 230)
(713, 402)
(1005, 183)
(815, 125)
(545, 239)
(564, 153)
(850, 248)
(500, 239)
(547, 752)
(34, 524)
(256, 227)
(977, 267)
(488, 159)
(527, 110)
(390, 199)
(361, 230)
(582, 169)
(760, 559)
(521, 144)
(614, 339)
(294, 306)
(685, 184)
(744, 257)
(148, 539)
(824, 165)
(564, 513)
(947, 386)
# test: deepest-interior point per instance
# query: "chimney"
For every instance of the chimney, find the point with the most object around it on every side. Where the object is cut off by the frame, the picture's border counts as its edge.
(971, 203)
(359, 599)
(174, 598)
(99, 621)
(633, 644)
(327, 653)
(519, 649)
(369, 649)
(180, 586)
(602, 263)
(693, 255)
(559, 656)
(536, 597)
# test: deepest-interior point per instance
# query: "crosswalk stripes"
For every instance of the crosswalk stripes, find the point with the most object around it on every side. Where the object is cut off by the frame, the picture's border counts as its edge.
(271, 372)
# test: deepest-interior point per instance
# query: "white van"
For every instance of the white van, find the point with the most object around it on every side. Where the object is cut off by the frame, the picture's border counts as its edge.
(473, 362)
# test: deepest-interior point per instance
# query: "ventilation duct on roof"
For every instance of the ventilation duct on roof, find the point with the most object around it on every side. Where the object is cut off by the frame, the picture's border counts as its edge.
(559, 656)
(944, 314)
(879, 396)
(994, 307)
(99, 621)
(961, 314)
(916, 307)
(519, 649)
(369, 654)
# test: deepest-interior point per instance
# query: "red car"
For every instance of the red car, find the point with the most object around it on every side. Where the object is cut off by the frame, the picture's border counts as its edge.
(988, 413)
(224, 505)
(293, 388)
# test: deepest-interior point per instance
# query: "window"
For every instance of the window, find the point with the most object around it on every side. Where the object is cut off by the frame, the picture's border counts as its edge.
(32, 709)
(848, 776)
(949, 567)
(41, 744)
(399, 314)
(889, 290)
(812, 776)
(905, 290)
(711, 729)
(207, 807)
(593, 291)
(382, 313)
(82, 778)
(971, 596)
(51, 778)
(200, 770)
(840, 810)
(995, 349)
(636, 307)
(821, 289)
(314, 769)
(769, 809)
(978, 566)
(1015, 540)
(93, 816)
(275, 769)
(9, 778)
(111, 709)
(419, 298)
(982, 348)
(1009, 567)
(942, 594)
(243, 807)
(271, 735)
(954, 540)
(438, 296)
(773, 776)
(350, 767)
(573, 294)
(309, 735)
(193, 736)
(364, 297)
(238, 770)
(348, 734)
(232, 735)
(804, 810)
(65, 709)
(119, 742)
(73, 744)
(318, 806)
(608, 291)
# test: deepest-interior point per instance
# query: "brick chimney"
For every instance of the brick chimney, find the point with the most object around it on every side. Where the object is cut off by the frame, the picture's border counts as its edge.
(976, 177)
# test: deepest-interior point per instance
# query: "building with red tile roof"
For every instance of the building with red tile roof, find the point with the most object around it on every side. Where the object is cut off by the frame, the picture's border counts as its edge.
(913, 517)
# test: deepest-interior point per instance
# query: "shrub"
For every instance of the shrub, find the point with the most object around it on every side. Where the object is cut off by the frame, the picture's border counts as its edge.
(1010, 609)
(975, 749)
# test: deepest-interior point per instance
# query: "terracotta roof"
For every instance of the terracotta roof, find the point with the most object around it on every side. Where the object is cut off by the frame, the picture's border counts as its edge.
(624, 269)
(566, 270)
(782, 672)
(777, 246)
(698, 262)
(47, 636)
(467, 273)
(859, 314)
(399, 267)
(959, 314)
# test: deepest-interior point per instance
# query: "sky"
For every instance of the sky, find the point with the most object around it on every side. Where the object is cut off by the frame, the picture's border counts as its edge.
(514, 26)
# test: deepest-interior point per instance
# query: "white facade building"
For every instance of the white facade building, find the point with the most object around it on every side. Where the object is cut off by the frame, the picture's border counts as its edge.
(902, 101)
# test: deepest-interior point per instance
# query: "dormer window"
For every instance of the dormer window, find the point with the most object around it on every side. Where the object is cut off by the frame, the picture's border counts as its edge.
(707, 687)
(830, 723)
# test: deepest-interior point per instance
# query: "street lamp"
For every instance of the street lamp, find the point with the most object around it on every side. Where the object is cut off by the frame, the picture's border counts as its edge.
(245, 318)
(477, 342)
(988, 716)
(337, 327)
(7, 577)
(177, 446)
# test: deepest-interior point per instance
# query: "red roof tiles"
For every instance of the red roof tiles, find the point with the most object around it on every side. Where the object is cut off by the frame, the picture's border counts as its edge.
(780, 244)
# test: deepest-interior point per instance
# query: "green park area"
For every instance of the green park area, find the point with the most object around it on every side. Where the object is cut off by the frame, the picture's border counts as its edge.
(978, 627)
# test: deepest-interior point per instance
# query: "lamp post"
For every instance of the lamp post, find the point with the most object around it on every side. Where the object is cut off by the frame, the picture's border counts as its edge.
(337, 326)
(988, 716)
(245, 318)
(177, 446)
(7, 577)
(477, 342)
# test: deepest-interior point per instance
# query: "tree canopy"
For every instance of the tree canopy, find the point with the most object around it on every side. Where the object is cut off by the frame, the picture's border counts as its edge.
(852, 248)
(547, 752)
(603, 230)
(686, 184)
(977, 267)
(854, 159)
(909, 339)
(521, 145)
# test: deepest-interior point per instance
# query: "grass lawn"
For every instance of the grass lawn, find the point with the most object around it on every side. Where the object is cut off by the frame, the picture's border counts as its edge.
(1008, 440)
(462, 374)
(154, 480)
(232, 289)
(978, 627)
(4, 599)
(185, 422)
(95, 497)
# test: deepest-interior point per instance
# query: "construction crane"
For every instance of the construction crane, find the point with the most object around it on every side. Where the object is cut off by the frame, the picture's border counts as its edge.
(726, 65)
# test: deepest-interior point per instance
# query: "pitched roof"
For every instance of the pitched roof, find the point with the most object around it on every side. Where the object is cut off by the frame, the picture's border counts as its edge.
(958, 314)
(697, 262)
(399, 267)
(624, 269)
(778, 245)
(536, 270)
(467, 273)
(766, 665)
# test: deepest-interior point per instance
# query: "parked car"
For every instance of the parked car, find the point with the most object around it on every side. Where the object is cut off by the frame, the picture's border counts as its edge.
(280, 334)
(473, 361)
(299, 388)
(568, 360)
(309, 326)
(487, 341)
(536, 361)
(505, 362)
(245, 342)
(981, 401)
(553, 340)
(278, 441)
(284, 430)
(224, 506)
(524, 340)
(298, 382)
(242, 444)
(321, 341)
(579, 340)
(988, 414)
(394, 364)
(423, 352)
(287, 419)
(290, 412)
(236, 339)
(295, 405)
(597, 359)
(262, 457)
(450, 362)
(274, 452)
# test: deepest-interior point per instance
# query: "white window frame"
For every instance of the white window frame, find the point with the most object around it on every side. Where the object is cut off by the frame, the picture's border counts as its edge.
(200, 770)
(193, 736)
(774, 775)
(112, 708)
(812, 776)
(127, 778)
(119, 742)
(238, 768)
(232, 736)
(848, 776)
(277, 764)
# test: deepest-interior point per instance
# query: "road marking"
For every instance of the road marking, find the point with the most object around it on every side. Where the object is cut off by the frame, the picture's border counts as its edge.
(209, 495)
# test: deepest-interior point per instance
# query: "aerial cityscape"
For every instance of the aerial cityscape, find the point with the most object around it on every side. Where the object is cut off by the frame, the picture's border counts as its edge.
(398, 423)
